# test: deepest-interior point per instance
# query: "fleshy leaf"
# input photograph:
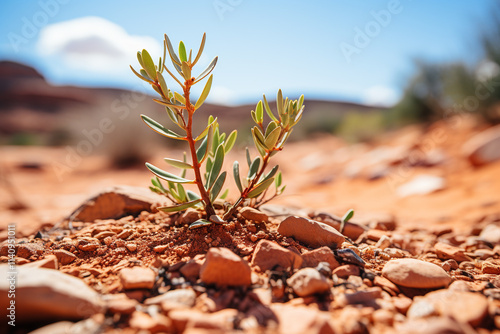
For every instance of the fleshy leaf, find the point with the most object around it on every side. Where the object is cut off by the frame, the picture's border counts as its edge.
(229, 143)
(166, 175)
(271, 173)
(207, 70)
(259, 112)
(182, 52)
(200, 50)
(236, 175)
(217, 187)
(179, 207)
(163, 84)
(348, 215)
(204, 132)
(149, 65)
(268, 110)
(217, 166)
(178, 163)
(173, 56)
(186, 70)
(260, 188)
(140, 76)
(204, 94)
(254, 167)
(273, 137)
(160, 128)
(200, 223)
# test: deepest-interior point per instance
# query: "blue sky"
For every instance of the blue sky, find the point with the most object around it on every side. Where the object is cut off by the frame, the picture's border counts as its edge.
(353, 50)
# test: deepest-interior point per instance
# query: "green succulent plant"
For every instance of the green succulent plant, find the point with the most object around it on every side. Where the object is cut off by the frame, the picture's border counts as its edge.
(207, 149)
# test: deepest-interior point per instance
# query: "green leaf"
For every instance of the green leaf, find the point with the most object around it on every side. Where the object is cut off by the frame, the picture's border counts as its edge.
(260, 188)
(301, 102)
(224, 195)
(254, 167)
(200, 50)
(279, 103)
(173, 56)
(182, 192)
(254, 116)
(259, 143)
(166, 175)
(217, 187)
(186, 71)
(149, 65)
(169, 104)
(180, 98)
(268, 110)
(192, 195)
(249, 160)
(178, 163)
(217, 166)
(204, 132)
(229, 143)
(160, 128)
(270, 174)
(200, 223)
(179, 207)
(273, 137)
(139, 58)
(279, 179)
(348, 215)
(182, 52)
(202, 151)
(259, 112)
(236, 175)
(281, 190)
(204, 94)
(207, 70)
(140, 76)
(270, 127)
(163, 84)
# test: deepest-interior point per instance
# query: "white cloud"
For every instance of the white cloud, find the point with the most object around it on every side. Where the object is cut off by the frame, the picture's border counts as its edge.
(94, 44)
(222, 95)
(381, 96)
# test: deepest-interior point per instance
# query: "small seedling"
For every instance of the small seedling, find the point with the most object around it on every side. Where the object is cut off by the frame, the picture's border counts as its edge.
(208, 148)
(348, 215)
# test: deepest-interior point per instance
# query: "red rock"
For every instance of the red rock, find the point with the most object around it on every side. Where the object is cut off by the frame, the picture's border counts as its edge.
(310, 232)
(402, 303)
(351, 229)
(267, 255)
(375, 235)
(70, 298)
(27, 250)
(180, 298)
(446, 252)
(189, 216)
(224, 268)
(157, 324)
(432, 325)
(137, 278)
(385, 284)
(366, 297)
(186, 319)
(254, 214)
(491, 233)
(323, 254)
(491, 267)
(307, 282)
(483, 147)
(64, 257)
(49, 262)
(466, 307)
(414, 273)
(301, 319)
(120, 303)
(346, 270)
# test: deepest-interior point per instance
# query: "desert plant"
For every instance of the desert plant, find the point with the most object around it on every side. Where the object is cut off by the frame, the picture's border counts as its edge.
(210, 146)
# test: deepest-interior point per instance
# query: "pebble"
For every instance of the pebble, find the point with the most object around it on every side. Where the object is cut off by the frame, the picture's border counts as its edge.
(120, 303)
(27, 250)
(151, 324)
(70, 298)
(224, 268)
(267, 255)
(49, 262)
(189, 216)
(137, 278)
(160, 248)
(254, 215)
(431, 325)
(191, 270)
(384, 242)
(447, 252)
(311, 233)
(180, 298)
(366, 297)
(421, 185)
(414, 273)
(307, 282)
(466, 307)
(323, 254)
(346, 270)
(491, 267)
(131, 247)
(301, 319)
(491, 233)
(64, 257)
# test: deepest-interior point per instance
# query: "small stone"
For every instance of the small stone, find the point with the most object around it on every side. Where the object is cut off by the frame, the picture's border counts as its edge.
(191, 270)
(152, 324)
(49, 262)
(180, 298)
(160, 248)
(189, 216)
(459, 286)
(301, 319)
(27, 250)
(131, 247)
(267, 255)
(446, 252)
(482, 148)
(64, 257)
(491, 267)
(121, 304)
(323, 254)
(346, 270)
(224, 268)
(383, 316)
(125, 234)
(104, 234)
(365, 297)
(88, 247)
(254, 215)
(414, 273)
(402, 304)
(307, 282)
(430, 325)
(137, 278)
(467, 307)
(491, 233)
(385, 284)
(310, 232)
(375, 235)
(421, 185)
(384, 242)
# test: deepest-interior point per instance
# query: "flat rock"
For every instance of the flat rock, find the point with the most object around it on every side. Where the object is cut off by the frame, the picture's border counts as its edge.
(117, 202)
(152, 324)
(224, 268)
(268, 255)
(49, 262)
(180, 298)
(447, 252)
(314, 257)
(414, 273)
(307, 282)
(466, 307)
(28, 249)
(346, 270)
(351, 229)
(137, 278)
(301, 319)
(64, 257)
(47, 294)
(483, 147)
(433, 325)
(310, 232)
(254, 214)
(187, 320)
(491, 233)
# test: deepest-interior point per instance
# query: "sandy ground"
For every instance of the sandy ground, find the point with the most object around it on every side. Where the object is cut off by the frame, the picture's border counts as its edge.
(323, 174)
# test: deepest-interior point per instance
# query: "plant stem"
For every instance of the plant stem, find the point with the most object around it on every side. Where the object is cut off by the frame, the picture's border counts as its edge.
(209, 209)
(247, 190)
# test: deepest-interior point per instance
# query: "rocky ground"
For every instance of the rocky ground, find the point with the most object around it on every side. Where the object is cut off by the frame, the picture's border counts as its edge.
(421, 255)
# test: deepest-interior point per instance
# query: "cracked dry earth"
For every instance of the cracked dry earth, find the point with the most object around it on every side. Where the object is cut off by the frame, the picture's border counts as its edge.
(263, 272)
